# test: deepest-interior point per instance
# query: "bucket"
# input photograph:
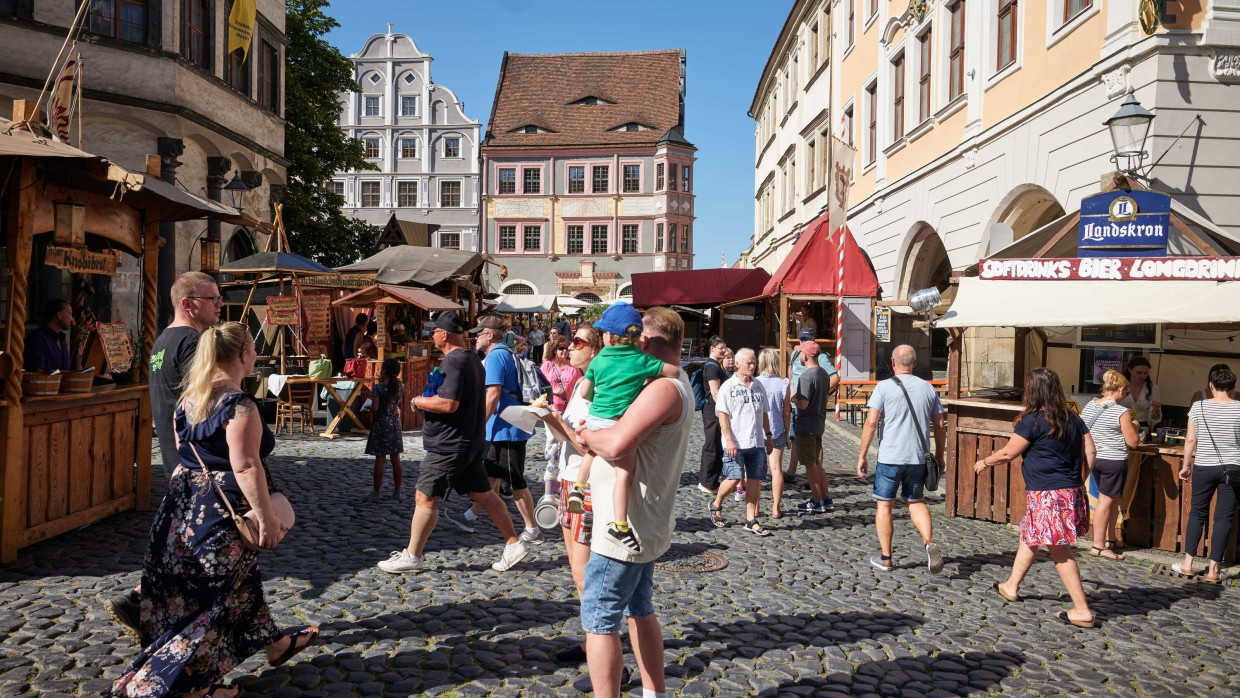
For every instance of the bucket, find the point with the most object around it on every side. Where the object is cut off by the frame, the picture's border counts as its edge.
(547, 513)
(37, 383)
(76, 382)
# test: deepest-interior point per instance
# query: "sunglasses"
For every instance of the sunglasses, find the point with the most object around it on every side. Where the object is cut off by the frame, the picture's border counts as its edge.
(578, 343)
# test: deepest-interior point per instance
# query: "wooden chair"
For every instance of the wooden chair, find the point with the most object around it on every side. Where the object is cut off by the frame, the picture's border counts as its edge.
(295, 403)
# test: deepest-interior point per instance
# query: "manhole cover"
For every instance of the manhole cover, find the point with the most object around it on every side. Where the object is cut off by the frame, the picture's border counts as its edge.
(694, 559)
(1166, 571)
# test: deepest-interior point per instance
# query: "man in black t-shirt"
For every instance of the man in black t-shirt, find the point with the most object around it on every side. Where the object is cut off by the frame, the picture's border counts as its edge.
(196, 306)
(455, 441)
(713, 376)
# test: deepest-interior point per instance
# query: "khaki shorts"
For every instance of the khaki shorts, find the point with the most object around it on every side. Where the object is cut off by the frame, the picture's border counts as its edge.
(808, 448)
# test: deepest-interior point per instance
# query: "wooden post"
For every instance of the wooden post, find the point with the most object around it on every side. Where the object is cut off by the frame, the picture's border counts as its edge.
(782, 323)
(955, 338)
(150, 308)
(20, 246)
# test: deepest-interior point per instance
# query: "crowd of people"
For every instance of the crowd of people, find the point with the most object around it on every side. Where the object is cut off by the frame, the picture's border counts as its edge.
(200, 609)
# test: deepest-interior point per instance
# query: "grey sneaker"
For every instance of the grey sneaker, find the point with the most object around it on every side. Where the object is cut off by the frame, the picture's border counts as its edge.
(126, 610)
(827, 505)
(934, 558)
(512, 555)
(462, 523)
(530, 535)
(877, 560)
(401, 561)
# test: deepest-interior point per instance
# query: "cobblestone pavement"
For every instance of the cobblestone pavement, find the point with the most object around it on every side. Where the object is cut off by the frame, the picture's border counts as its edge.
(800, 613)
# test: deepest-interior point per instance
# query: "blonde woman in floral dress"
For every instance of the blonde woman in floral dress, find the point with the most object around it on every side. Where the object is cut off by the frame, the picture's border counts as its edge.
(203, 610)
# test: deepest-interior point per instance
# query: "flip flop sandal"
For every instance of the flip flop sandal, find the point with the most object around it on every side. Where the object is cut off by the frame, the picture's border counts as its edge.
(1115, 545)
(293, 647)
(756, 528)
(1098, 552)
(716, 516)
(999, 591)
(1063, 616)
(1175, 567)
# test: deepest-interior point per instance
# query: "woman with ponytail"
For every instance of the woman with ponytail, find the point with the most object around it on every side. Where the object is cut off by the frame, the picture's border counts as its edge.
(386, 438)
(203, 610)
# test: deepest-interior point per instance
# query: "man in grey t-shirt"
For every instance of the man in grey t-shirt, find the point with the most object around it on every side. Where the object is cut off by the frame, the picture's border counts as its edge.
(901, 458)
(810, 397)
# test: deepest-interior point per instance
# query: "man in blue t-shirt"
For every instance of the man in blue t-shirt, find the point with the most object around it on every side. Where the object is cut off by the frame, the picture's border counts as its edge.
(902, 452)
(505, 461)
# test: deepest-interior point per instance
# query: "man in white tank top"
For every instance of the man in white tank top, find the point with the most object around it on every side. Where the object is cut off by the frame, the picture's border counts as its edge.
(618, 581)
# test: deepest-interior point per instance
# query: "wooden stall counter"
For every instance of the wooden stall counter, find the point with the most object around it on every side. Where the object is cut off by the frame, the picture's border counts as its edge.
(87, 456)
(981, 426)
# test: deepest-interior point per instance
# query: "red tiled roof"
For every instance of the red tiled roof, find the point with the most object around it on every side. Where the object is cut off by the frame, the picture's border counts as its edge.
(540, 90)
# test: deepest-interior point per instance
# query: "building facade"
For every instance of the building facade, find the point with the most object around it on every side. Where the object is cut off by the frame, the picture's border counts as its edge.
(417, 134)
(588, 177)
(157, 79)
(976, 122)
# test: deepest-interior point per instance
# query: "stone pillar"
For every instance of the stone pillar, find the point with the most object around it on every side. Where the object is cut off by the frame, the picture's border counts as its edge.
(217, 177)
(169, 149)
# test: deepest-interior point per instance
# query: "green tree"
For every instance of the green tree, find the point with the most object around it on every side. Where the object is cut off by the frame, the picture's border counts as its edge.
(593, 311)
(315, 73)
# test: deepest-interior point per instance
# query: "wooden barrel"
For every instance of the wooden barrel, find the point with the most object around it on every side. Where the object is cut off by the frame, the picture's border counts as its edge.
(37, 383)
(76, 382)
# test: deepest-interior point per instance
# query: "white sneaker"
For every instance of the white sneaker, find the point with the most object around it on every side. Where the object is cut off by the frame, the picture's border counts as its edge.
(530, 535)
(401, 561)
(512, 555)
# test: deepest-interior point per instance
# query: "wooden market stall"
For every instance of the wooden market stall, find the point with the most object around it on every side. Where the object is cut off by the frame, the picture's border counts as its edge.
(417, 355)
(810, 284)
(69, 459)
(1080, 312)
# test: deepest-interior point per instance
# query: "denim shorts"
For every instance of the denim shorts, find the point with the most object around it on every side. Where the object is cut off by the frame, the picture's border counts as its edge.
(780, 440)
(749, 464)
(615, 589)
(909, 477)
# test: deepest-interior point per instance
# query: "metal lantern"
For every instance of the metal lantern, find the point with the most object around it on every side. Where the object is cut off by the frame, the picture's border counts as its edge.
(236, 191)
(1129, 128)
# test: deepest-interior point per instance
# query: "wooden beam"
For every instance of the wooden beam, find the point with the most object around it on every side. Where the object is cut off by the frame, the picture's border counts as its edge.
(1207, 248)
(1069, 226)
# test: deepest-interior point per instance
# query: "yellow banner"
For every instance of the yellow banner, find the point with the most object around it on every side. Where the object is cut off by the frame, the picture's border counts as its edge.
(241, 27)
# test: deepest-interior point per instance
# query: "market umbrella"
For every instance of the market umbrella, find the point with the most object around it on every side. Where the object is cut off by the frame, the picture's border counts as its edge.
(272, 262)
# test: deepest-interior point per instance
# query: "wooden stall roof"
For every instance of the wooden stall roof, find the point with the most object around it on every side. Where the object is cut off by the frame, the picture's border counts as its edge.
(812, 267)
(424, 266)
(386, 293)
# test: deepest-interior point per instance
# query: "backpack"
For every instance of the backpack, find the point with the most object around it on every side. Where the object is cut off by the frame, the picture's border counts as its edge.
(532, 381)
(697, 382)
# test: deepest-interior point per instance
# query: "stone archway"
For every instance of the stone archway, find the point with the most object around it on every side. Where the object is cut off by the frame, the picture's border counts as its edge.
(926, 265)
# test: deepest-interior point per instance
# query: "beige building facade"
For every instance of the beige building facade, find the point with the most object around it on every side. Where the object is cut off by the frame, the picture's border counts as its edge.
(157, 80)
(981, 121)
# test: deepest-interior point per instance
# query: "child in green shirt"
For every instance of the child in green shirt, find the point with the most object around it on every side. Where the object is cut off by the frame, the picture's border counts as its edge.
(612, 383)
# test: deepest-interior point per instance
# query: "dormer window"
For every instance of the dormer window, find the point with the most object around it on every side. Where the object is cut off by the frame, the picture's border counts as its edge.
(631, 126)
(591, 100)
(530, 129)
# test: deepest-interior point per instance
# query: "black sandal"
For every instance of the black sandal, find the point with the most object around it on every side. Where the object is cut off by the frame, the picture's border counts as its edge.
(756, 528)
(1113, 544)
(293, 647)
(1098, 552)
(716, 516)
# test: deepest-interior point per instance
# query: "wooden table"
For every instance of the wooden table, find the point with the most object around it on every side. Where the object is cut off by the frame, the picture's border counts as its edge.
(346, 406)
(855, 395)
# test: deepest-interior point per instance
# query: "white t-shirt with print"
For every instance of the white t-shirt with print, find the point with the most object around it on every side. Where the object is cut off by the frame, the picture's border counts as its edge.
(744, 405)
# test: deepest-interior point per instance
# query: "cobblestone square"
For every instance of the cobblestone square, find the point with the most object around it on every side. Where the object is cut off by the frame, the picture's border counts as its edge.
(801, 613)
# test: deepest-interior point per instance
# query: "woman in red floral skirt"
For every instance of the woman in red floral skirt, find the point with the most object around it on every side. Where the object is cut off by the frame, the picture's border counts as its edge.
(1051, 442)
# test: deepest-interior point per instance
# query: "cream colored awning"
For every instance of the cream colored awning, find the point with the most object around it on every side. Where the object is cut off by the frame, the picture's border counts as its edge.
(1002, 303)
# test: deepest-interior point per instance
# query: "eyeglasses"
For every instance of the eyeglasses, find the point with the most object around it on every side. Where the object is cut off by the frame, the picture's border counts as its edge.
(578, 343)
(213, 299)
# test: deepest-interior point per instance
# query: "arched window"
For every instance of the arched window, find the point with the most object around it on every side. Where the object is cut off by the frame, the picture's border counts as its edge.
(519, 290)
(626, 291)
(588, 297)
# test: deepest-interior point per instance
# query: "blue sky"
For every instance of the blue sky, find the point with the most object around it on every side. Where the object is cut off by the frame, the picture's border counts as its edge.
(727, 44)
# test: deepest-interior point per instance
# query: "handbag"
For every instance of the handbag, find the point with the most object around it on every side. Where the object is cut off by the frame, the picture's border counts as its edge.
(247, 526)
(355, 368)
(320, 368)
(932, 463)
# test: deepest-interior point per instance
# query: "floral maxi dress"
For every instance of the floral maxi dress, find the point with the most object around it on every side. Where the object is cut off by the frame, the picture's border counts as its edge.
(203, 611)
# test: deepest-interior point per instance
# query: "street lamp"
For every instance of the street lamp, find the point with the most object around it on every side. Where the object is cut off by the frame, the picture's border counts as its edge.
(1129, 128)
(236, 190)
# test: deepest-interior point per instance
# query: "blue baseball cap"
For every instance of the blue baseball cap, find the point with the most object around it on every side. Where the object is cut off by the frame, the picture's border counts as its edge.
(618, 318)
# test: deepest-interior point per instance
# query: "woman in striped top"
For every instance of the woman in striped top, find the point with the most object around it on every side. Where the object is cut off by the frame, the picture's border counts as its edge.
(1211, 448)
(1111, 433)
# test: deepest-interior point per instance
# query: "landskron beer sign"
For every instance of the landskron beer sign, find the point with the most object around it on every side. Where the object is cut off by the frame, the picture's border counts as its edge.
(1124, 224)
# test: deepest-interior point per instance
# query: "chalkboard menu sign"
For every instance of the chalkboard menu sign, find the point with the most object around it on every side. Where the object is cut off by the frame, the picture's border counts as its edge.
(882, 324)
(1148, 335)
(116, 346)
